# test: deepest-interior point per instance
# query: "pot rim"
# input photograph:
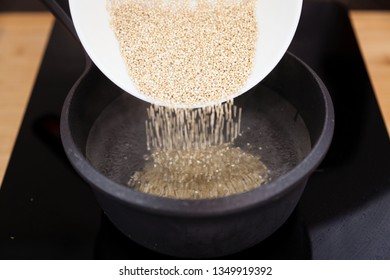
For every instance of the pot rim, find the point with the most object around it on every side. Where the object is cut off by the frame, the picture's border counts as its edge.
(200, 207)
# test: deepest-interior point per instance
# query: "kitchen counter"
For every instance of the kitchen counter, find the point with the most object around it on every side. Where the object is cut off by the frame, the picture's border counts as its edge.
(23, 37)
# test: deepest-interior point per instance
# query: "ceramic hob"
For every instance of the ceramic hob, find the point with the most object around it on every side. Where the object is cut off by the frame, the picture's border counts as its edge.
(48, 212)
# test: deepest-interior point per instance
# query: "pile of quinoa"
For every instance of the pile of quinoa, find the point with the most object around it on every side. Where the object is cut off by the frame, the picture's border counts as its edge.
(184, 52)
(217, 171)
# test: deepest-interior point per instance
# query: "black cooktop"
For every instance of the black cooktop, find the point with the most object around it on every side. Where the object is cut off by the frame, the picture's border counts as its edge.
(48, 212)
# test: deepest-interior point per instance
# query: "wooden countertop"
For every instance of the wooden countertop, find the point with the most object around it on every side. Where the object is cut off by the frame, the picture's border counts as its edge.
(23, 37)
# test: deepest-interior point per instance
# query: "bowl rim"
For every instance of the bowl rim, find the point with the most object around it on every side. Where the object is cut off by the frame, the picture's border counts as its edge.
(199, 207)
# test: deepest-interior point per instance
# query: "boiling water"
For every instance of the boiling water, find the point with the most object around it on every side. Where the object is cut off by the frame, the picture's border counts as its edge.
(271, 128)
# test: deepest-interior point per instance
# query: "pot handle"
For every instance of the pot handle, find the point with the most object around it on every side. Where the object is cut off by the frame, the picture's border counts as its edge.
(58, 11)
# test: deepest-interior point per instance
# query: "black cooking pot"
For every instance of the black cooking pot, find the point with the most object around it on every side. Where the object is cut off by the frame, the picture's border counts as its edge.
(291, 107)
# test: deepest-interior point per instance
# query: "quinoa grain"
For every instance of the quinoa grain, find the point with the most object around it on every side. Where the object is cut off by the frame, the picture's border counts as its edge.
(187, 53)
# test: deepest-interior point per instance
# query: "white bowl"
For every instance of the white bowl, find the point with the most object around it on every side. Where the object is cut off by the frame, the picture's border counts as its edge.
(277, 21)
